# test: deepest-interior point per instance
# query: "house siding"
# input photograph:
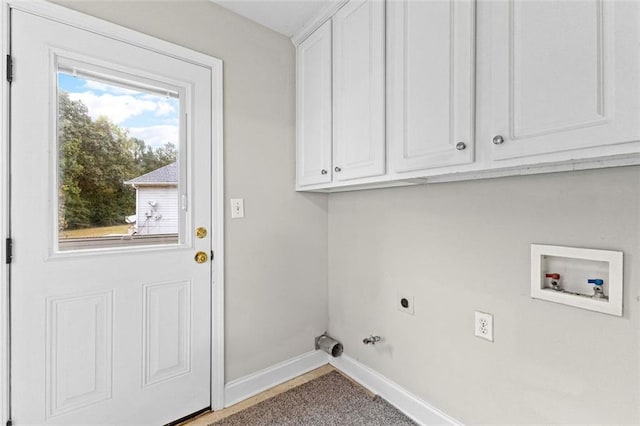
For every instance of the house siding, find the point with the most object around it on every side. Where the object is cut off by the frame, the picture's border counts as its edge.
(161, 219)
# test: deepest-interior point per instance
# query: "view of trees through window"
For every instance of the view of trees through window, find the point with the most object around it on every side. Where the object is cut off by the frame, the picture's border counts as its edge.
(107, 137)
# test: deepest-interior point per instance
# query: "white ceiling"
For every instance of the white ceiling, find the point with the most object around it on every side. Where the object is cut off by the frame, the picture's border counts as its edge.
(284, 16)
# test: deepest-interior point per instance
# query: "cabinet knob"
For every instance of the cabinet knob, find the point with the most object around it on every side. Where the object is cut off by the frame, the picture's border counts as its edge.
(323, 171)
(460, 146)
(498, 140)
(337, 169)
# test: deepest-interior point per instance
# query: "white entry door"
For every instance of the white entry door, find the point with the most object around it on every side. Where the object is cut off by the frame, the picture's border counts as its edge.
(111, 202)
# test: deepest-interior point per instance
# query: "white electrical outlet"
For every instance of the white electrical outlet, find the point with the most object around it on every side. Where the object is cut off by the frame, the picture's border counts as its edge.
(237, 208)
(405, 303)
(484, 326)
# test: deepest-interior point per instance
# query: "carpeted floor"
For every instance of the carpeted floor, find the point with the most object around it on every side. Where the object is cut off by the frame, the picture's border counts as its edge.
(328, 400)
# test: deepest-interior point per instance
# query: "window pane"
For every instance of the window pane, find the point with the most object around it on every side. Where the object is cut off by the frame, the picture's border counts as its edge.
(118, 163)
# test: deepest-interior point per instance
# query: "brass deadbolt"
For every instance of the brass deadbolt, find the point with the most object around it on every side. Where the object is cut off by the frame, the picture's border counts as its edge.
(201, 232)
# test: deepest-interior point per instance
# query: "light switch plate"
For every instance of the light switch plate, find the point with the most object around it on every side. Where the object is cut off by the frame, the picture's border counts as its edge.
(237, 208)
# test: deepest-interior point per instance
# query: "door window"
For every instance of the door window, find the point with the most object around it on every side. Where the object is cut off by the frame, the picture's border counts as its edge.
(118, 160)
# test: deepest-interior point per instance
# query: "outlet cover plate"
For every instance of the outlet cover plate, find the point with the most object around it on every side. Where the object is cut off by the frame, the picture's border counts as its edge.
(484, 325)
(410, 300)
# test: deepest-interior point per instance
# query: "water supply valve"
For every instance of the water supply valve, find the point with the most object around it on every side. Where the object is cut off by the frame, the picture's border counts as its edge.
(553, 281)
(598, 288)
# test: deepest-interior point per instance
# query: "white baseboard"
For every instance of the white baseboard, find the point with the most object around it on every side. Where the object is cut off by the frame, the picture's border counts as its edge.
(412, 406)
(251, 385)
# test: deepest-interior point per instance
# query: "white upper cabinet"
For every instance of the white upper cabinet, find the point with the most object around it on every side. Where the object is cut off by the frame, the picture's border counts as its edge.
(430, 77)
(564, 77)
(313, 99)
(359, 86)
(465, 89)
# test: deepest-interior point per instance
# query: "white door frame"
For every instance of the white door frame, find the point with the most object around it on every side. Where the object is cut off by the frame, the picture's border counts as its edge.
(113, 31)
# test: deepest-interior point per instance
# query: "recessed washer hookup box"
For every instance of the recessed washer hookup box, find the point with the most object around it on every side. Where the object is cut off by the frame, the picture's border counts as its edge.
(584, 278)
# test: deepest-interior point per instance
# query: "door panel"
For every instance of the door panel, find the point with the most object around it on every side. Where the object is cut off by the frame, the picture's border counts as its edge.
(431, 76)
(556, 71)
(571, 70)
(110, 334)
(167, 314)
(79, 351)
(359, 112)
(313, 120)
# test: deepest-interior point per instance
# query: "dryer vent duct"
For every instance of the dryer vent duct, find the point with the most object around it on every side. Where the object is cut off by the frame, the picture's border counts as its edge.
(329, 345)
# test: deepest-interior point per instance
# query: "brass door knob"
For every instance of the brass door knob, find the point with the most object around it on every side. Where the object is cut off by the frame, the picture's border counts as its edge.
(201, 257)
(201, 232)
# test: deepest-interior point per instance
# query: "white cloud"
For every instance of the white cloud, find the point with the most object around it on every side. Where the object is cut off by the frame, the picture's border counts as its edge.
(119, 108)
(164, 108)
(156, 136)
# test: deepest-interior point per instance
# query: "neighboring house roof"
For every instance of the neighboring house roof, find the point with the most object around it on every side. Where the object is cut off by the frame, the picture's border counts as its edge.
(167, 175)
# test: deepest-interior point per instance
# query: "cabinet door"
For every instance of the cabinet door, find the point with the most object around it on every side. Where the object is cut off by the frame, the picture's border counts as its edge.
(359, 139)
(431, 74)
(564, 76)
(313, 118)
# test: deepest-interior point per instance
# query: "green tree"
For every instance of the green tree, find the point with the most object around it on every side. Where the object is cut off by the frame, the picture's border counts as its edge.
(74, 125)
(149, 159)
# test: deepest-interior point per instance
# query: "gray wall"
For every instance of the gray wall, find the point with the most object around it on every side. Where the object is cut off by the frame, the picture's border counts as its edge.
(276, 258)
(460, 247)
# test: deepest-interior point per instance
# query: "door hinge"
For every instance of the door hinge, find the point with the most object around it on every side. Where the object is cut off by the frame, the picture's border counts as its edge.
(9, 250)
(9, 69)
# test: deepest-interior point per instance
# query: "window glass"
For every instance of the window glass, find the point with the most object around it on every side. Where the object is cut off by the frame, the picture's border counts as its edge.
(117, 163)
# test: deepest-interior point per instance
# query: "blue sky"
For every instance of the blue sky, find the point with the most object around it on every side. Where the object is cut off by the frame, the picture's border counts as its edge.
(149, 117)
